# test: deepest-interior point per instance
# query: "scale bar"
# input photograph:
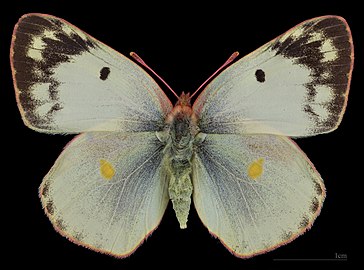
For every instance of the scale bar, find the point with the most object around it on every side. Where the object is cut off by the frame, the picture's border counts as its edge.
(312, 259)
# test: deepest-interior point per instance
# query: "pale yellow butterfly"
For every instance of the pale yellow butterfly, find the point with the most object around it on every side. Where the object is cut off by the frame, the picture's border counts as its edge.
(252, 186)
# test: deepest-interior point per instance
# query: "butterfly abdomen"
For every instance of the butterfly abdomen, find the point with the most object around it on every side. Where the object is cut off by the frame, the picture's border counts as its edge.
(182, 128)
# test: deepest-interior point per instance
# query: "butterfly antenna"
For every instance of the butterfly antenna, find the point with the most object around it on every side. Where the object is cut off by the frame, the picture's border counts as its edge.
(140, 61)
(230, 59)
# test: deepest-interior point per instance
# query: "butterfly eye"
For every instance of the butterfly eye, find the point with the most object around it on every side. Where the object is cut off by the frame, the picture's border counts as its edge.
(104, 73)
(260, 75)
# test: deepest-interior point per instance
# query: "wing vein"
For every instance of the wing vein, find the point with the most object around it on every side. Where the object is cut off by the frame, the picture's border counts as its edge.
(122, 190)
(249, 211)
(224, 203)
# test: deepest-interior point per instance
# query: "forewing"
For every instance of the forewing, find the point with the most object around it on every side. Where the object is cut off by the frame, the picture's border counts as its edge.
(295, 85)
(255, 192)
(107, 191)
(68, 82)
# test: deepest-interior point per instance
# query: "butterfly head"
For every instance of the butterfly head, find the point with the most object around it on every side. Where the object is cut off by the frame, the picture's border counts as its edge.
(182, 119)
(184, 100)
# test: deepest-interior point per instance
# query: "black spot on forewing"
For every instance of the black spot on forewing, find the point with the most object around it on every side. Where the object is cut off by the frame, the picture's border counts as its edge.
(104, 73)
(323, 46)
(260, 75)
(40, 45)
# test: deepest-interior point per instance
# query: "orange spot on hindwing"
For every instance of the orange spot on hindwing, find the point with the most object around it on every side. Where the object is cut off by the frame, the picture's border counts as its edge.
(107, 171)
(255, 169)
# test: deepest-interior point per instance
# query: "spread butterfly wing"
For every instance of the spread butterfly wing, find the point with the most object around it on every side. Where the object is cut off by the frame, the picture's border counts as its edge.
(295, 85)
(68, 82)
(107, 191)
(255, 192)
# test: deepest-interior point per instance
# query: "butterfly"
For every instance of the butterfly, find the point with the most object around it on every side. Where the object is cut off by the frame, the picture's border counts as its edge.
(230, 152)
